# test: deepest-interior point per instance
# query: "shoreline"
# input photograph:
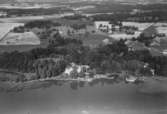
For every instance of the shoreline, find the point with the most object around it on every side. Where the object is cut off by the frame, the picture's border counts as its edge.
(147, 85)
(60, 78)
(39, 83)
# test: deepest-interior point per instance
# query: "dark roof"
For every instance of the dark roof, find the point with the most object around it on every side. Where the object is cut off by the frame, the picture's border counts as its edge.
(150, 31)
(155, 52)
(137, 45)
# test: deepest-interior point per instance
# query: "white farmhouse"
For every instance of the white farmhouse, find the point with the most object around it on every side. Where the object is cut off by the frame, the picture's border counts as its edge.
(78, 68)
(69, 69)
(103, 25)
(3, 14)
(164, 52)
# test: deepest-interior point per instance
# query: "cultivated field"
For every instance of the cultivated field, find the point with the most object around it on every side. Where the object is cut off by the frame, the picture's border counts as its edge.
(6, 27)
(25, 19)
(18, 41)
(27, 38)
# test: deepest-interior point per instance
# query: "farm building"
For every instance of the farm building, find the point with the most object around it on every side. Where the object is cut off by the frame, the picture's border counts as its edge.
(73, 69)
(150, 32)
(103, 25)
(162, 30)
(136, 46)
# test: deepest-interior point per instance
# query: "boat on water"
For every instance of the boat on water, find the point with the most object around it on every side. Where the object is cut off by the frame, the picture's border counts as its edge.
(112, 76)
(131, 79)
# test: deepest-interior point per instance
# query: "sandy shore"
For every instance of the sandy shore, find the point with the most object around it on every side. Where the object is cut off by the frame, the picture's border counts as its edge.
(34, 84)
(150, 85)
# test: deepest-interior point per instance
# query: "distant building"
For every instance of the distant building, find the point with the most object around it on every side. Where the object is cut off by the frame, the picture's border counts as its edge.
(135, 11)
(3, 14)
(165, 52)
(150, 32)
(78, 69)
(136, 46)
(104, 26)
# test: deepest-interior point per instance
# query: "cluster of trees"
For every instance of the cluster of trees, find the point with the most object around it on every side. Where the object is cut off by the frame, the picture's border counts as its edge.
(78, 26)
(146, 13)
(35, 12)
(75, 17)
(16, 61)
(112, 17)
(57, 40)
(49, 67)
(19, 29)
(145, 39)
(41, 24)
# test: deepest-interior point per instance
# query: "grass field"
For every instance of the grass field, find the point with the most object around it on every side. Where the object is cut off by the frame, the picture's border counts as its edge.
(93, 40)
(21, 39)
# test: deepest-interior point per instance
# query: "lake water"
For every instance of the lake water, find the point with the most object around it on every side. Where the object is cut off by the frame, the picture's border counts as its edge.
(99, 98)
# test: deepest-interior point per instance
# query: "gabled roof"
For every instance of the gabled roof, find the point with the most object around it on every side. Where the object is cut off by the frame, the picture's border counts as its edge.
(150, 31)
